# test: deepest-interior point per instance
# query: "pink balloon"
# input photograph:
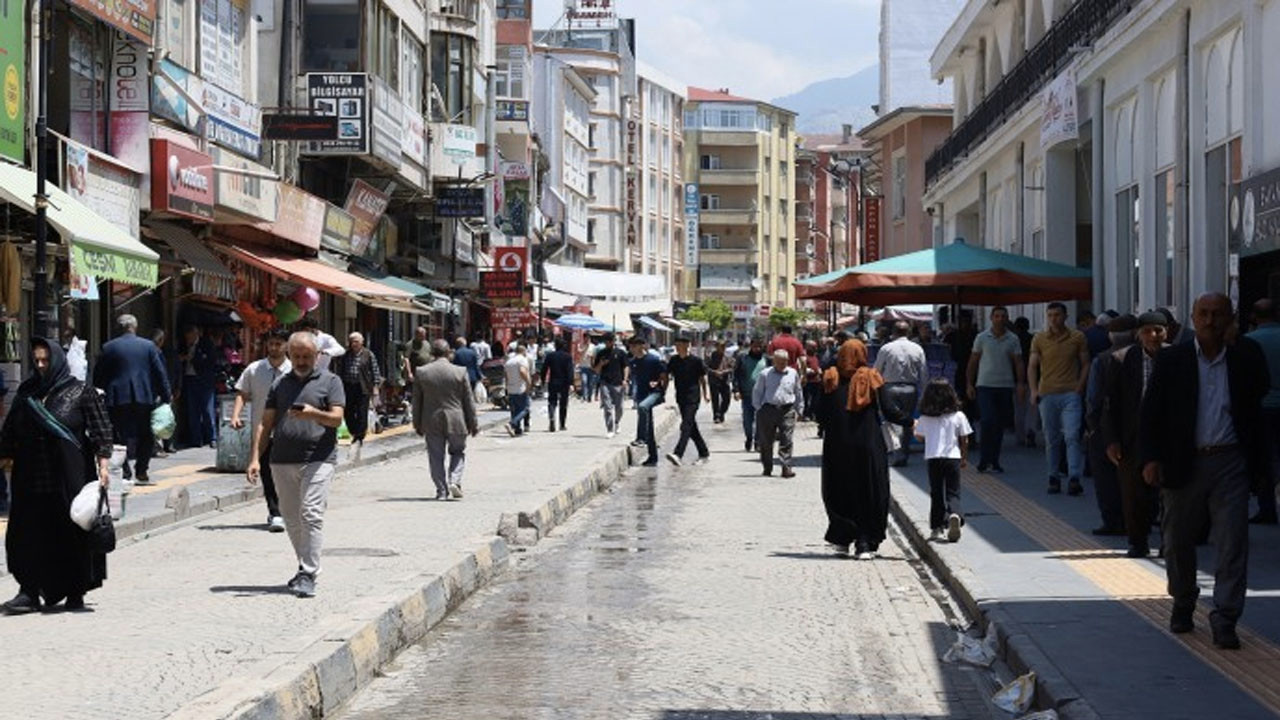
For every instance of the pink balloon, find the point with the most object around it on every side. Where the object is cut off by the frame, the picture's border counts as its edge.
(308, 299)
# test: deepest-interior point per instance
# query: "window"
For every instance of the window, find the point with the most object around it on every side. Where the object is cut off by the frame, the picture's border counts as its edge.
(224, 46)
(1171, 270)
(666, 197)
(782, 169)
(331, 36)
(513, 9)
(691, 119)
(412, 75)
(509, 76)
(1129, 242)
(710, 162)
(591, 135)
(666, 151)
(88, 47)
(782, 209)
(899, 187)
(591, 231)
(651, 240)
(709, 241)
(653, 185)
(452, 63)
(591, 185)
(386, 61)
(710, 202)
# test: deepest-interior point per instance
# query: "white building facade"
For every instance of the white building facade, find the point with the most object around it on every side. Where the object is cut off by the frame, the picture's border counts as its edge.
(654, 205)
(562, 104)
(1161, 186)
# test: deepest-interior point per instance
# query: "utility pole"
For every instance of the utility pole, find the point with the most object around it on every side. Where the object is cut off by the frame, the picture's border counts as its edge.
(42, 309)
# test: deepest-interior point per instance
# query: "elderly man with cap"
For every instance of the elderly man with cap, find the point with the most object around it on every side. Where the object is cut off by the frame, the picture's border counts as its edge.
(1106, 482)
(1126, 384)
(777, 400)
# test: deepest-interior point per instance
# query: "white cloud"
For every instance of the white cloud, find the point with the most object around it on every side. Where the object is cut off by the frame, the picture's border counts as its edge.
(756, 48)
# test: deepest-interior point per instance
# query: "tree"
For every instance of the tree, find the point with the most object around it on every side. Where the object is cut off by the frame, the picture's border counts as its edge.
(792, 317)
(712, 311)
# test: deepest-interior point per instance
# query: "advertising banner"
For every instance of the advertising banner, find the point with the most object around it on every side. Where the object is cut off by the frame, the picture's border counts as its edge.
(255, 198)
(181, 181)
(336, 234)
(233, 123)
(301, 217)
(511, 260)
(110, 190)
(365, 204)
(167, 102)
(388, 122)
(413, 137)
(498, 285)
(1255, 214)
(346, 97)
(129, 101)
(459, 202)
(135, 17)
(1059, 122)
(296, 126)
(13, 71)
(871, 216)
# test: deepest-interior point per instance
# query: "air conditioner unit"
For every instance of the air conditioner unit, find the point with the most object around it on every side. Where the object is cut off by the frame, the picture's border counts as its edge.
(808, 249)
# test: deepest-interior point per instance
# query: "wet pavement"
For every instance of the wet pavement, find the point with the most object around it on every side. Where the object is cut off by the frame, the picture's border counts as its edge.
(692, 592)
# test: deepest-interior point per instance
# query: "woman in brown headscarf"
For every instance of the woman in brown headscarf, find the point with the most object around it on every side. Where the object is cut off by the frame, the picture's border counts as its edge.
(855, 461)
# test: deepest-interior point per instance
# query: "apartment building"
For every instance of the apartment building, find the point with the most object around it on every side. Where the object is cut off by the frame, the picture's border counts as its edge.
(655, 214)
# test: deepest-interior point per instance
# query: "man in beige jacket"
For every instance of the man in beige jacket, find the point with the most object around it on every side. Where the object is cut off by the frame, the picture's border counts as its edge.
(444, 412)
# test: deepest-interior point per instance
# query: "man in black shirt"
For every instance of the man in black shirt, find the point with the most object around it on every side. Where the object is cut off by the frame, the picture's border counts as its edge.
(557, 374)
(612, 366)
(690, 375)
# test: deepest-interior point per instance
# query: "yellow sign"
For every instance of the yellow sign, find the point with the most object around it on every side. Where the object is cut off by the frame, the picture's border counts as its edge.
(91, 260)
(12, 92)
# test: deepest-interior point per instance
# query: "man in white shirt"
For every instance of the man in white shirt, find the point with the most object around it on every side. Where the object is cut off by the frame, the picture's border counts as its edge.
(518, 380)
(482, 349)
(253, 386)
(327, 345)
(905, 370)
(777, 400)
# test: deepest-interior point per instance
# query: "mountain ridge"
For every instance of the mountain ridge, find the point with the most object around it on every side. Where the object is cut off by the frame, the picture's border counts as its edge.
(825, 105)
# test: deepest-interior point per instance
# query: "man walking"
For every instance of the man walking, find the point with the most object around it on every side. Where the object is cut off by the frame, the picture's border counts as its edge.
(649, 374)
(747, 368)
(199, 366)
(361, 381)
(1106, 483)
(481, 346)
(905, 370)
(1127, 380)
(719, 370)
(253, 387)
(557, 373)
(131, 373)
(784, 340)
(995, 370)
(1059, 371)
(444, 412)
(419, 352)
(302, 415)
(611, 367)
(1267, 335)
(1201, 440)
(518, 378)
(465, 358)
(776, 396)
(690, 376)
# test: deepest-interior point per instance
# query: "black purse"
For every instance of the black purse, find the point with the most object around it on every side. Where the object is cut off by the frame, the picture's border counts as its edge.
(897, 402)
(102, 533)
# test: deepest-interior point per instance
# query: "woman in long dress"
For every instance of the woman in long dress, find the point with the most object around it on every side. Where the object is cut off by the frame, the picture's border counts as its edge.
(855, 463)
(57, 438)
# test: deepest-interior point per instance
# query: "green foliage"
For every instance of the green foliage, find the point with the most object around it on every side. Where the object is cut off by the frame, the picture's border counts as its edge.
(793, 317)
(712, 311)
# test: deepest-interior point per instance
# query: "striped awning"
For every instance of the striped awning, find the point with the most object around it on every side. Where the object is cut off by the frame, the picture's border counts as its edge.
(210, 277)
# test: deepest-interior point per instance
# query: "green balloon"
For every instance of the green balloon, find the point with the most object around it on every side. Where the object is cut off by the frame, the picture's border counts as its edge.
(287, 312)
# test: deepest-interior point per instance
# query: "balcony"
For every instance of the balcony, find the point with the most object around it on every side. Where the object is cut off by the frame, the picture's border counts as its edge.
(727, 138)
(728, 216)
(747, 177)
(727, 256)
(1083, 23)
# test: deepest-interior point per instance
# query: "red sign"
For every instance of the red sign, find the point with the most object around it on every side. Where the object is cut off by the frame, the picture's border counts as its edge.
(871, 209)
(511, 259)
(506, 318)
(497, 285)
(366, 204)
(181, 181)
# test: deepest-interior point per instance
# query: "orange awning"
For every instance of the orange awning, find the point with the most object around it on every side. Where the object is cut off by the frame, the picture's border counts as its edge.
(306, 271)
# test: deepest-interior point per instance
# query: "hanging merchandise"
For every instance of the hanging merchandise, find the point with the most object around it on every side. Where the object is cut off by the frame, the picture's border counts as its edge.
(287, 312)
(10, 278)
(9, 353)
(257, 321)
(307, 298)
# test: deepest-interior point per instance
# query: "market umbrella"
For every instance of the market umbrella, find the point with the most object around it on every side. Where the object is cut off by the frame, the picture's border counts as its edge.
(957, 273)
(582, 322)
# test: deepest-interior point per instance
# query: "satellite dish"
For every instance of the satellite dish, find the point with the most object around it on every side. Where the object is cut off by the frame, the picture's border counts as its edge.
(756, 284)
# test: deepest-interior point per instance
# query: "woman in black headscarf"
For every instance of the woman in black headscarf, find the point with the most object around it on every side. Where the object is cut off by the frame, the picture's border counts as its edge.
(57, 439)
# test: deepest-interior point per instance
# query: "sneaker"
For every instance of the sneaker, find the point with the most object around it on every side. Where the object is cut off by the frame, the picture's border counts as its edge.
(1055, 486)
(511, 429)
(953, 527)
(609, 435)
(293, 581)
(938, 535)
(275, 524)
(674, 458)
(747, 446)
(305, 587)
(866, 555)
(1074, 487)
(455, 490)
(359, 448)
(1182, 620)
(703, 460)
(551, 428)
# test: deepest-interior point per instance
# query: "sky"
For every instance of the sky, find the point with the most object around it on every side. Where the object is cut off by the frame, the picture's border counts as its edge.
(762, 49)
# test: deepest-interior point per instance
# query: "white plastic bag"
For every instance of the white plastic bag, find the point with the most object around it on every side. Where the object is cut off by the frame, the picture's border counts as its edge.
(892, 436)
(482, 394)
(84, 507)
(1016, 697)
(972, 650)
(1041, 715)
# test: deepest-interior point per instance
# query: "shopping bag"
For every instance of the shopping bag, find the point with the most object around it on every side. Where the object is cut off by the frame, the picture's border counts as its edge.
(163, 422)
(84, 506)
(482, 394)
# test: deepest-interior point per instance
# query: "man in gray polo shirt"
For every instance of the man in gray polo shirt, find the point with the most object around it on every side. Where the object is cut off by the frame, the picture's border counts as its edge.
(302, 415)
(994, 371)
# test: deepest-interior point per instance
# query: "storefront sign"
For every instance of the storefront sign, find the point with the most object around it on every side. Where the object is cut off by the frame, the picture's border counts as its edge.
(301, 217)
(743, 311)
(512, 318)
(459, 202)
(346, 97)
(167, 102)
(293, 127)
(248, 194)
(181, 181)
(1255, 214)
(459, 141)
(511, 260)
(632, 169)
(222, 30)
(1059, 122)
(591, 14)
(691, 205)
(871, 215)
(691, 247)
(513, 110)
(365, 204)
(110, 190)
(413, 136)
(135, 17)
(497, 285)
(463, 246)
(426, 266)
(129, 102)
(233, 123)
(13, 81)
(92, 260)
(336, 234)
(388, 122)
(516, 171)
(726, 277)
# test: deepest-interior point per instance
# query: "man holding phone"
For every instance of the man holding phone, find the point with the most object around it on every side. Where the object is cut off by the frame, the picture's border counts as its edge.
(301, 416)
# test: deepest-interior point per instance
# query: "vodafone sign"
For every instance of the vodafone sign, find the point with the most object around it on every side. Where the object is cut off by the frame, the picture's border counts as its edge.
(181, 181)
(511, 259)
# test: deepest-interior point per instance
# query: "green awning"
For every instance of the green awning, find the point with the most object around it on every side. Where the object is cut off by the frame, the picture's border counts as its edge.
(438, 301)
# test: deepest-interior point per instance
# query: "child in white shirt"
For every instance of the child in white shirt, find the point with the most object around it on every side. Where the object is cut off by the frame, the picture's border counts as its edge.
(945, 432)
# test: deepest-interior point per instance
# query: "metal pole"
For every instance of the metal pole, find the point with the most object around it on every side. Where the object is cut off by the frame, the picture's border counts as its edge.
(42, 309)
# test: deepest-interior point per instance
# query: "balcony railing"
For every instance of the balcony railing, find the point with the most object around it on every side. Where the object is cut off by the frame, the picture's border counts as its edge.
(1083, 23)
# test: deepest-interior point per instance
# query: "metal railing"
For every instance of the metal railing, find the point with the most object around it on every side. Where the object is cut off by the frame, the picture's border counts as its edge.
(1084, 22)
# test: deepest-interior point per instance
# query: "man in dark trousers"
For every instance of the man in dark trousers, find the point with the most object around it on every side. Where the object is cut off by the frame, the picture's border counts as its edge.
(748, 366)
(1201, 441)
(719, 370)
(557, 374)
(131, 373)
(690, 376)
(468, 359)
(1126, 385)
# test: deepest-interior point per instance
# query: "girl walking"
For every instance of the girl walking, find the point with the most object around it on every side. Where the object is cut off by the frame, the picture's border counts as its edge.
(945, 431)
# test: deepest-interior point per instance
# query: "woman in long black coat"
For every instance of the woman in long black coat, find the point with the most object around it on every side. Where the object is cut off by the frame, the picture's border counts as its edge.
(855, 462)
(57, 438)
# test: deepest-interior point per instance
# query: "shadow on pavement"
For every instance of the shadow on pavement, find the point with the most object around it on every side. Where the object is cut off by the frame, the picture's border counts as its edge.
(242, 526)
(783, 715)
(431, 498)
(248, 590)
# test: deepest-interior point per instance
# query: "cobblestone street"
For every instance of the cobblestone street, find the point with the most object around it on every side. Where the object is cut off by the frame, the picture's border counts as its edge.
(692, 592)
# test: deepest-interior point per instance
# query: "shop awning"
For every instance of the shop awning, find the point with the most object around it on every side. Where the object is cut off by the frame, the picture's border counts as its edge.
(412, 307)
(437, 301)
(210, 278)
(96, 246)
(305, 271)
(652, 323)
(588, 282)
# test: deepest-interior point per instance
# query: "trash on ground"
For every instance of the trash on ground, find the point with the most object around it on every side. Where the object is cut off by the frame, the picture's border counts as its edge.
(1016, 697)
(972, 650)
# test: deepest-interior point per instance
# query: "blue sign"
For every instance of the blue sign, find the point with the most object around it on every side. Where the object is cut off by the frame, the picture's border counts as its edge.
(691, 199)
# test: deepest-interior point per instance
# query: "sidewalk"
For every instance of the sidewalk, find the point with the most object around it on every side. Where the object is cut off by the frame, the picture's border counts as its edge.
(201, 610)
(1091, 622)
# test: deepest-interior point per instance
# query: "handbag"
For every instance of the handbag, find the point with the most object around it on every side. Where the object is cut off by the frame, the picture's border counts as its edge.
(897, 402)
(102, 533)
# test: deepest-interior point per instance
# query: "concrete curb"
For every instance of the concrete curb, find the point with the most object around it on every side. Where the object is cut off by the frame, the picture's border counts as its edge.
(1015, 645)
(329, 670)
(526, 528)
